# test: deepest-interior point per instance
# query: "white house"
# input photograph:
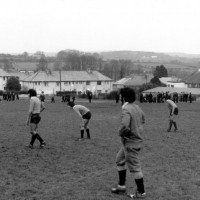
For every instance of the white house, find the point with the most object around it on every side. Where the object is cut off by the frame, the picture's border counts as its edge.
(132, 80)
(173, 82)
(79, 81)
(3, 79)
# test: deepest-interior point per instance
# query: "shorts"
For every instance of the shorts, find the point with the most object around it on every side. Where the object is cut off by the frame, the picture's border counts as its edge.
(87, 115)
(35, 118)
(176, 111)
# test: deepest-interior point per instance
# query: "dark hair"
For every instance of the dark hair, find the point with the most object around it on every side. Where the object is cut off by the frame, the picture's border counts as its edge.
(128, 94)
(32, 93)
(71, 104)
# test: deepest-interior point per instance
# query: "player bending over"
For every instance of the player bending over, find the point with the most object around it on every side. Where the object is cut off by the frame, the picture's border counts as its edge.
(85, 115)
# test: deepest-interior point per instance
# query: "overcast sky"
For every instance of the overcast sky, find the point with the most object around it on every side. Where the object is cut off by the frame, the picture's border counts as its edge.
(100, 25)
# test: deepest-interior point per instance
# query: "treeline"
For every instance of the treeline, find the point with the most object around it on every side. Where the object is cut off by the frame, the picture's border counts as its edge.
(75, 60)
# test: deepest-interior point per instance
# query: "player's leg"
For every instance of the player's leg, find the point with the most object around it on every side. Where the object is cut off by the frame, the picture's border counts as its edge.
(120, 161)
(134, 166)
(86, 122)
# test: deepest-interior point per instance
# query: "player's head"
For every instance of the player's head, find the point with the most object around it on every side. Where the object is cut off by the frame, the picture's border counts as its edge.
(71, 104)
(129, 95)
(32, 93)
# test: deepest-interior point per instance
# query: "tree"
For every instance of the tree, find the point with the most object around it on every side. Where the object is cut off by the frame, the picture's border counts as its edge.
(7, 65)
(13, 84)
(160, 71)
(155, 80)
(43, 64)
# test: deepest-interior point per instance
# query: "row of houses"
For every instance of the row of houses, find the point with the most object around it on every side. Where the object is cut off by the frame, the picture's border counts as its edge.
(82, 81)
(52, 82)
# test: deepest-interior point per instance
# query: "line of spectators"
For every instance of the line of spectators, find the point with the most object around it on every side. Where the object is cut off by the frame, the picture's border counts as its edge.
(161, 97)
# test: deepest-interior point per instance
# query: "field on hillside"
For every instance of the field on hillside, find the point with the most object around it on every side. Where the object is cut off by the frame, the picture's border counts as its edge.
(66, 169)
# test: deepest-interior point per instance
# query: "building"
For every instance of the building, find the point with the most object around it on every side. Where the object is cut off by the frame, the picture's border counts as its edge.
(173, 82)
(79, 81)
(132, 80)
(193, 80)
(4, 76)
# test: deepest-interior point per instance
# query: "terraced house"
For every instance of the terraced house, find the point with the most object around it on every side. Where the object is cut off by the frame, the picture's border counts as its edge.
(4, 76)
(79, 81)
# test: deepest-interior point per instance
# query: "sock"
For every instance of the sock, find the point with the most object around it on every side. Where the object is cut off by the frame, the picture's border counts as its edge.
(140, 185)
(82, 133)
(88, 133)
(33, 139)
(122, 177)
(39, 138)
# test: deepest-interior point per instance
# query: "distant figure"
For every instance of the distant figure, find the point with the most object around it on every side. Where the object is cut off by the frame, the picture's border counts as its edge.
(117, 96)
(53, 99)
(90, 97)
(42, 97)
(190, 97)
(173, 108)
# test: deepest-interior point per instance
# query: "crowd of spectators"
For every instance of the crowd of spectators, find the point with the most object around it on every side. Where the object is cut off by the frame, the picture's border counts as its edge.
(161, 97)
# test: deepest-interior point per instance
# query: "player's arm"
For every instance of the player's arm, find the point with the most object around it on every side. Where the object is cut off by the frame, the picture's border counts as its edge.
(77, 111)
(124, 128)
(30, 112)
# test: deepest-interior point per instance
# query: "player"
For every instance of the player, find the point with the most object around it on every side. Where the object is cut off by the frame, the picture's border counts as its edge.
(33, 119)
(173, 108)
(130, 131)
(85, 115)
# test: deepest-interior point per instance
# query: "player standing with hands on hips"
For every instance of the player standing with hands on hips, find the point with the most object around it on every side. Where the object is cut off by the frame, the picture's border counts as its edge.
(173, 108)
(33, 119)
(85, 115)
(130, 131)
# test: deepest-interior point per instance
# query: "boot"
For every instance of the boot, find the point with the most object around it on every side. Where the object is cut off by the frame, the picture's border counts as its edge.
(170, 126)
(121, 187)
(140, 185)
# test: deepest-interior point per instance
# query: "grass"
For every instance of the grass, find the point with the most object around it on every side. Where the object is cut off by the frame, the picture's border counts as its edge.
(67, 169)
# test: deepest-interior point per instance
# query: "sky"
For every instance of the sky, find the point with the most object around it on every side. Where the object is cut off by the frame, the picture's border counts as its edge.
(100, 25)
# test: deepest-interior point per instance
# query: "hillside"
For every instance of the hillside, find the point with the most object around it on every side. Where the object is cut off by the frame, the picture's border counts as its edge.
(191, 60)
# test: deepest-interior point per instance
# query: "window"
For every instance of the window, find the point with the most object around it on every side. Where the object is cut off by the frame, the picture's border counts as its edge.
(38, 83)
(66, 83)
(35, 83)
(4, 78)
(98, 82)
(57, 83)
(45, 83)
(87, 82)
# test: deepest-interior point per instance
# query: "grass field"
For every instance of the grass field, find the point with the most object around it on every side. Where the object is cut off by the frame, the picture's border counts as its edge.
(67, 169)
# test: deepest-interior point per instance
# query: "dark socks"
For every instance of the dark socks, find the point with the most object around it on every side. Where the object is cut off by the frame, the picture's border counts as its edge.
(33, 139)
(39, 138)
(140, 185)
(88, 133)
(175, 126)
(122, 177)
(170, 126)
(82, 133)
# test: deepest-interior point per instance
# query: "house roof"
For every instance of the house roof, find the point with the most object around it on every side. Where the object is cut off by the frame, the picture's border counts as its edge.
(21, 75)
(195, 91)
(4, 73)
(193, 78)
(133, 79)
(66, 76)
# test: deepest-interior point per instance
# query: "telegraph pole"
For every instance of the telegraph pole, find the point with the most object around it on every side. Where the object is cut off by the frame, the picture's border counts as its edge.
(60, 80)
